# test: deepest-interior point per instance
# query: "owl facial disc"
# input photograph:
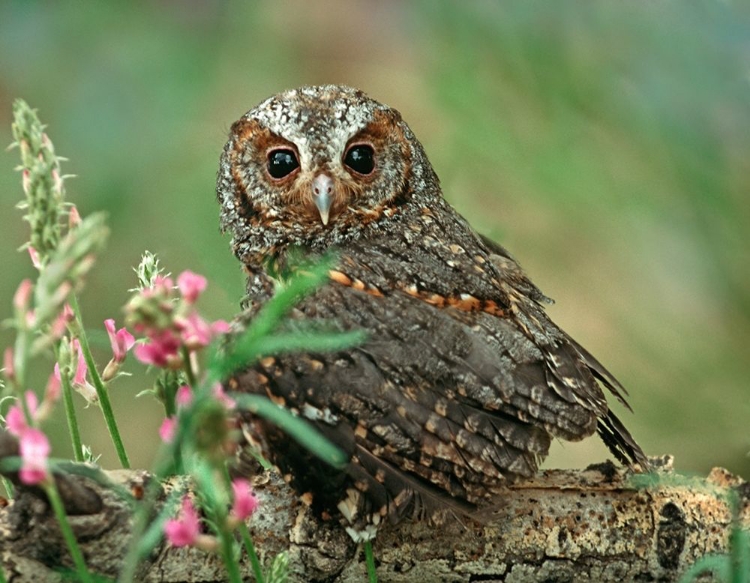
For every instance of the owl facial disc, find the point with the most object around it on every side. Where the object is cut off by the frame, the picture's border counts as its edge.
(322, 187)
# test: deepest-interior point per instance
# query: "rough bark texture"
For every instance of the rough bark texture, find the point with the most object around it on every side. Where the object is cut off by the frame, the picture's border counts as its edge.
(590, 525)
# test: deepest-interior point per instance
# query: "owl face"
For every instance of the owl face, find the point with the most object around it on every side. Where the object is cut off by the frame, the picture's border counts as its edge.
(318, 158)
(317, 167)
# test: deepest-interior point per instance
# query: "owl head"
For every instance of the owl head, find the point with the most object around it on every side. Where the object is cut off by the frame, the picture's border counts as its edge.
(316, 166)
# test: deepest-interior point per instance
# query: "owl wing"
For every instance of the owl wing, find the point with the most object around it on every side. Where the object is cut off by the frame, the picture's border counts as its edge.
(442, 398)
(609, 427)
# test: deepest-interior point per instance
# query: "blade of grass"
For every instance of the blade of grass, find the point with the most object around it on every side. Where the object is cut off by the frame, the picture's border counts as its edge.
(297, 428)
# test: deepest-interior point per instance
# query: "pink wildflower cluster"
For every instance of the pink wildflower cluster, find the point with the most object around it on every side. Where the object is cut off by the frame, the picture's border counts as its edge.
(34, 447)
(186, 530)
(170, 321)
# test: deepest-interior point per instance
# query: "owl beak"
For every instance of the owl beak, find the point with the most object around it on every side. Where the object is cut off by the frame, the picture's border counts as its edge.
(322, 187)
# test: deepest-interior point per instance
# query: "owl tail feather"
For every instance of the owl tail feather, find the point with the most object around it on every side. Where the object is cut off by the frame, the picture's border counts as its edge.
(409, 496)
(602, 374)
(619, 441)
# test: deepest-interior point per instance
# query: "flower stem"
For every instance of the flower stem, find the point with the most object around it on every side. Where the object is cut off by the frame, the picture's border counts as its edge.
(101, 390)
(227, 554)
(21, 358)
(218, 515)
(189, 372)
(70, 539)
(145, 508)
(70, 415)
(372, 575)
(250, 548)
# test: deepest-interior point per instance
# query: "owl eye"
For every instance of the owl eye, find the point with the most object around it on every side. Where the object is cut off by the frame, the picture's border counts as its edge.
(282, 163)
(360, 158)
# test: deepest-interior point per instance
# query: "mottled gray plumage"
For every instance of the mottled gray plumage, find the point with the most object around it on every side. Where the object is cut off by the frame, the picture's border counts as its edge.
(463, 380)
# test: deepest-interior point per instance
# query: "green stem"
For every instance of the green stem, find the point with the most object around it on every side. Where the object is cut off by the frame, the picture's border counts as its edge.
(739, 544)
(250, 548)
(70, 415)
(2, 576)
(226, 548)
(20, 360)
(163, 465)
(70, 539)
(101, 390)
(218, 514)
(372, 575)
(189, 372)
(144, 513)
(170, 410)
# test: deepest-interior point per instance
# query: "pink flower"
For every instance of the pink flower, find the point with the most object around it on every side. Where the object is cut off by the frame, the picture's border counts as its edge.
(57, 179)
(34, 448)
(167, 429)
(15, 419)
(220, 327)
(80, 382)
(184, 396)
(194, 331)
(61, 322)
(120, 340)
(222, 397)
(183, 531)
(26, 180)
(23, 295)
(163, 350)
(52, 392)
(81, 368)
(34, 257)
(8, 367)
(191, 286)
(245, 502)
(74, 218)
(163, 285)
(60, 295)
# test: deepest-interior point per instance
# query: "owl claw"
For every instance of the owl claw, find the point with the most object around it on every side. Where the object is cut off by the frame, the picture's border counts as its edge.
(322, 187)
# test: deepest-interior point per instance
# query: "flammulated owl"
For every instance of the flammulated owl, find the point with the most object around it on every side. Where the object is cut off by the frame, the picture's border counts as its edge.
(462, 380)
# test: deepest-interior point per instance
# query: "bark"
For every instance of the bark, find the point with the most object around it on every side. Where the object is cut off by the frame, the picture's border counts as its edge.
(590, 525)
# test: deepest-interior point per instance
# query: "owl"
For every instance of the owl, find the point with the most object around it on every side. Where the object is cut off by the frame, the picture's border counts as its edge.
(462, 380)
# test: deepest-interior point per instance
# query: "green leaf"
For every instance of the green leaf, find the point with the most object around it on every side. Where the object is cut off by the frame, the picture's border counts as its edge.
(248, 352)
(279, 571)
(305, 281)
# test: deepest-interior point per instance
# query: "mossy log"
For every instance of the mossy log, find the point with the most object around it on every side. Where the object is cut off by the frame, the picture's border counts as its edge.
(591, 525)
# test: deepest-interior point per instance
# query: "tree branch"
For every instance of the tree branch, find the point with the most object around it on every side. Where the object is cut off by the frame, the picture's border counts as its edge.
(590, 525)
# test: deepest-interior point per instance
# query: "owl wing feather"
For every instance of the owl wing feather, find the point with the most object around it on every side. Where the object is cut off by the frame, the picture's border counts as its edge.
(609, 427)
(439, 398)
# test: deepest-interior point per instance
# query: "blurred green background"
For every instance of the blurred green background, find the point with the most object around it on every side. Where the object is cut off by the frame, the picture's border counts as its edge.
(607, 145)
